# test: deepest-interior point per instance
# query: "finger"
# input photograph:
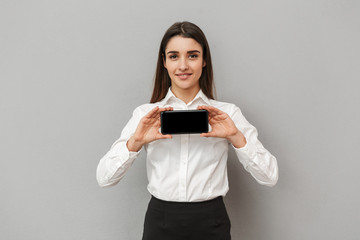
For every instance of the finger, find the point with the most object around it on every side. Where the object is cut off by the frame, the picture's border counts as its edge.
(204, 107)
(215, 110)
(207, 108)
(166, 109)
(166, 136)
(208, 134)
(210, 109)
(158, 122)
(160, 110)
(153, 112)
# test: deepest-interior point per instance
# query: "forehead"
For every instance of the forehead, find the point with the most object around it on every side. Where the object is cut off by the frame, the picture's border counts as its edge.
(181, 44)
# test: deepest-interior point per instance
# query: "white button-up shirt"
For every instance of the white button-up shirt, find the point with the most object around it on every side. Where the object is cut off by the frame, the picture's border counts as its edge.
(188, 168)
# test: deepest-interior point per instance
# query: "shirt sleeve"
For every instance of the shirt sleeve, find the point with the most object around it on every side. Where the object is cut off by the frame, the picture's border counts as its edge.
(113, 166)
(258, 161)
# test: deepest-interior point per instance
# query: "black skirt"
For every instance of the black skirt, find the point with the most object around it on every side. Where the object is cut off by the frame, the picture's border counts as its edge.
(186, 220)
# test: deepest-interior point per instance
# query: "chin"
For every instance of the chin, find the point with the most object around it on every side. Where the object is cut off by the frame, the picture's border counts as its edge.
(185, 86)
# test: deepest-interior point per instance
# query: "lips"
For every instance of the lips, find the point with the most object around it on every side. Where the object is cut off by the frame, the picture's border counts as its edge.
(183, 76)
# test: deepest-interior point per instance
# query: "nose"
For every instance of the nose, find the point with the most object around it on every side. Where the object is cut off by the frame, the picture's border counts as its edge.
(183, 64)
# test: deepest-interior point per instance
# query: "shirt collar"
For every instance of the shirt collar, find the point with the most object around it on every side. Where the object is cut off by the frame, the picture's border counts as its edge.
(170, 95)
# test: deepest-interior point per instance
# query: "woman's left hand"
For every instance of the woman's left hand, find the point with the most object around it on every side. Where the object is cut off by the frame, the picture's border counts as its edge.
(223, 127)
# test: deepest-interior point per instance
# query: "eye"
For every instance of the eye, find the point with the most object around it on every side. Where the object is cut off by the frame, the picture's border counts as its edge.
(193, 56)
(172, 57)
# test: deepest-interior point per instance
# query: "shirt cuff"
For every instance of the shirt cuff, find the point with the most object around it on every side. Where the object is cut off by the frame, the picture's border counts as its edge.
(126, 155)
(246, 152)
(134, 154)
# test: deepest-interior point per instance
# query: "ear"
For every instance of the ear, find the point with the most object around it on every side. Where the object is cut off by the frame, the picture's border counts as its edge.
(164, 61)
(204, 63)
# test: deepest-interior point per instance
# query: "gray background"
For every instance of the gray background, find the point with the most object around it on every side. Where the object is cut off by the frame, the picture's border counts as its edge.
(72, 72)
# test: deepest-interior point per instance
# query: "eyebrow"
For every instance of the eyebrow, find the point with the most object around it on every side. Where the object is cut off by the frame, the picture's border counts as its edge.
(192, 51)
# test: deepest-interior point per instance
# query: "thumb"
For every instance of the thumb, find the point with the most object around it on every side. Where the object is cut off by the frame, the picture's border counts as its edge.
(208, 134)
(166, 136)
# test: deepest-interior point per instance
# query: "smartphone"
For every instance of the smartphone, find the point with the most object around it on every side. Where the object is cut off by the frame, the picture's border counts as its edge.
(184, 122)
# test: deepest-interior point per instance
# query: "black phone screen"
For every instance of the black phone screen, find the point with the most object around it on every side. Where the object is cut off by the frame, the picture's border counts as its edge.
(184, 121)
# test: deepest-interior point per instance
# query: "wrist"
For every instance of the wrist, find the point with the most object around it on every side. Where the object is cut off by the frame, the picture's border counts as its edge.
(134, 145)
(238, 140)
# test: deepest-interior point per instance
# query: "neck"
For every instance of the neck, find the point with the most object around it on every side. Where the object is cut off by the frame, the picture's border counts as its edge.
(186, 95)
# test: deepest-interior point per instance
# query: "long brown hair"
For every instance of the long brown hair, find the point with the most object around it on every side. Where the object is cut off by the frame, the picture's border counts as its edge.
(162, 80)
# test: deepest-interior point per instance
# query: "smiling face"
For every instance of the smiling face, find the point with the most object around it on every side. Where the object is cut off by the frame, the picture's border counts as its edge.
(184, 62)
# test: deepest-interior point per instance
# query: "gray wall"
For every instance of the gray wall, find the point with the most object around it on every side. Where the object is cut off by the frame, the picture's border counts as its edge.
(73, 71)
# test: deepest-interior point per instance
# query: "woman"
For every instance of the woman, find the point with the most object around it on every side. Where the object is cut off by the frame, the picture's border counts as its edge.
(187, 173)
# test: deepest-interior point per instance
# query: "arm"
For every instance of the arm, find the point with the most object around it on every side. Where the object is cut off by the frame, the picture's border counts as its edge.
(243, 138)
(258, 161)
(113, 166)
(139, 131)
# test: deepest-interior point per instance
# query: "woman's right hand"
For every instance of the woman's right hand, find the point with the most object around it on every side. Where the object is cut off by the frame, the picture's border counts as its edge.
(147, 130)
